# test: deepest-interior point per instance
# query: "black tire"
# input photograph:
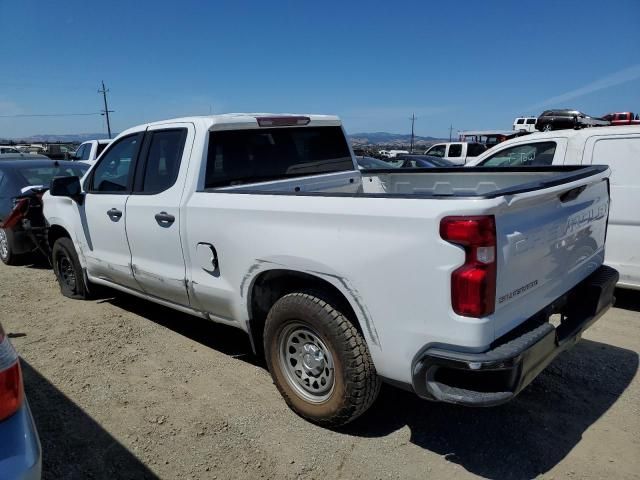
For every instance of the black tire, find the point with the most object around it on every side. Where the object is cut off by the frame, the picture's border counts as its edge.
(354, 383)
(7, 254)
(66, 266)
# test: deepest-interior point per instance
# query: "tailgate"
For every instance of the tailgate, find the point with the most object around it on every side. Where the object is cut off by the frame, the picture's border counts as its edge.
(548, 241)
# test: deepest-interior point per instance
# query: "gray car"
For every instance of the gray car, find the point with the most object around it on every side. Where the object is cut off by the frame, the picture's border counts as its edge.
(20, 451)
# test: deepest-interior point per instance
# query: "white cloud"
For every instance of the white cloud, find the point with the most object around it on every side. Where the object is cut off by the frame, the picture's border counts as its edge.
(623, 76)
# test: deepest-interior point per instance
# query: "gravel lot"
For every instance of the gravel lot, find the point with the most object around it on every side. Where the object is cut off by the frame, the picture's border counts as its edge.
(121, 388)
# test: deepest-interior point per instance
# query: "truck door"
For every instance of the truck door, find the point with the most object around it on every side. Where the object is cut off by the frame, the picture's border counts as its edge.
(103, 213)
(153, 212)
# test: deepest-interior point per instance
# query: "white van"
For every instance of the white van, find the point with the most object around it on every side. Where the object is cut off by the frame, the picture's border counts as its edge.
(525, 124)
(618, 147)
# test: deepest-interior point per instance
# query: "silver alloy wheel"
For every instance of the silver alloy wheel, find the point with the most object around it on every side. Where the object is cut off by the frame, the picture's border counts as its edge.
(4, 244)
(547, 128)
(306, 362)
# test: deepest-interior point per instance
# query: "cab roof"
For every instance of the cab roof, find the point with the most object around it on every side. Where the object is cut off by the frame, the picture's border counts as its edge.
(231, 121)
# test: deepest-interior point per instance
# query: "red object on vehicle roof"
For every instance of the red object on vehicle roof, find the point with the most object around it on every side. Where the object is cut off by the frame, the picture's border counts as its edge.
(623, 118)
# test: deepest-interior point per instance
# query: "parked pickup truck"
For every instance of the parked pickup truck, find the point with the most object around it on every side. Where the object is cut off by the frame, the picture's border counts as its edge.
(458, 153)
(90, 150)
(438, 280)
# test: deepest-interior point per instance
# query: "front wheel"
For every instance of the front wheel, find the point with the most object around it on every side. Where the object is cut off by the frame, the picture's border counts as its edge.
(547, 128)
(66, 266)
(319, 360)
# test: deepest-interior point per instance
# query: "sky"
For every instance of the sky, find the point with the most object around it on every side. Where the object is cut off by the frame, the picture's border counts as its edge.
(466, 64)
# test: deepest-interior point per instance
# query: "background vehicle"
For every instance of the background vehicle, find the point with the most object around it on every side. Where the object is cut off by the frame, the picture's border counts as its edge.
(566, 118)
(90, 150)
(4, 149)
(22, 179)
(20, 451)
(617, 147)
(526, 124)
(420, 161)
(23, 156)
(622, 118)
(58, 152)
(369, 163)
(458, 153)
(257, 221)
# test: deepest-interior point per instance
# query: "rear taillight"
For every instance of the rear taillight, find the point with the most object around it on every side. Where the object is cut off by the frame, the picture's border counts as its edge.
(473, 285)
(11, 392)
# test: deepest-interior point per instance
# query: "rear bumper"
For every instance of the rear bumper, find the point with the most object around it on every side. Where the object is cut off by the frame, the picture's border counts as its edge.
(20, 452)
(499, 374)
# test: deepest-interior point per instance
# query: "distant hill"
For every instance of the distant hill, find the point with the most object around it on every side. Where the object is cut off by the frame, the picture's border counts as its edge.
(385, 138)
(70, 138)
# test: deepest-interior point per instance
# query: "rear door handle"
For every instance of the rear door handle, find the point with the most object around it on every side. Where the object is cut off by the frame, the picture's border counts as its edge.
(165, 219)
(114, 214)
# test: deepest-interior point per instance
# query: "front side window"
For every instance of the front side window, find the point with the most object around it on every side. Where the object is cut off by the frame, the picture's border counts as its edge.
(238, 157)
(531, 121)
(113, 172)
(455, 150)
(437, 151)
(87, 152)
(531, 155)
(163, 160)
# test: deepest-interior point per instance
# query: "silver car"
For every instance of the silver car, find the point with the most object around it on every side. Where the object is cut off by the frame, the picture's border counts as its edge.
(20, 451)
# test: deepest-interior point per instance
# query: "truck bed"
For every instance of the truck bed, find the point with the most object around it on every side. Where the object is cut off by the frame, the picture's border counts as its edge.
(478, 182)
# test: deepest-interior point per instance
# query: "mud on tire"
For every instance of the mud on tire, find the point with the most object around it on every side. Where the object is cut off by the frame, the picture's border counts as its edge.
(319, 360)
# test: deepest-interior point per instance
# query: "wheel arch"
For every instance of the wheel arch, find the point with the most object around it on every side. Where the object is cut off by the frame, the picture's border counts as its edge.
(268, 286)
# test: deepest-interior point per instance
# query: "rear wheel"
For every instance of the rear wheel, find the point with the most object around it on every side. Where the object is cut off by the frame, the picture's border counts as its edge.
(547, 127)
(7, 254)
(66, 266)
(319, 360)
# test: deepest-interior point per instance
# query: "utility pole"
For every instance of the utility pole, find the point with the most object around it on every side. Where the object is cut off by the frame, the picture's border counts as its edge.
(106, 110)
(450, 131)
(413, 120)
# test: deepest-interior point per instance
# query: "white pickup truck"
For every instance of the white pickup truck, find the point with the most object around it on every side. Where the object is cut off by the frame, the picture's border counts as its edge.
(90, 150)
(441, 281)
(457, 153)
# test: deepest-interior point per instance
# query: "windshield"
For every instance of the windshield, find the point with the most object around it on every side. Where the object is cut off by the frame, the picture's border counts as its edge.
(44, 175)
(370, 162)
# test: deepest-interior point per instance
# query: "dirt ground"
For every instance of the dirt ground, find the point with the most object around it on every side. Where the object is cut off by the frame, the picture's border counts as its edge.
(121, 388)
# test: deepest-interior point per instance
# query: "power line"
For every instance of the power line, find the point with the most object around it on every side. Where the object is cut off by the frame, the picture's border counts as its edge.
(20, 115)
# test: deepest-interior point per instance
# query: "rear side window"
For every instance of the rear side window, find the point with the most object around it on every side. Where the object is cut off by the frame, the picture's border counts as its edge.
(529, 155)
(101, 147)
(163, 160)
(520, 121)
(245, 156)
(113, 173)
(475, 149)
(455, 150)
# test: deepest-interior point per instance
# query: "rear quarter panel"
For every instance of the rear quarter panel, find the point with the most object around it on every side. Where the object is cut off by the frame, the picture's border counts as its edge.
(384, 254)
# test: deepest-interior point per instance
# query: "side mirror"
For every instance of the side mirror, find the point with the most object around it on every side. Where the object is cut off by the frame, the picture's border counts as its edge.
(67, 187)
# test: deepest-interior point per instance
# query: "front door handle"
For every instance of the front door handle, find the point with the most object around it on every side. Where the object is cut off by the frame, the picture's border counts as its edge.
(165, 219)
(114, 214)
